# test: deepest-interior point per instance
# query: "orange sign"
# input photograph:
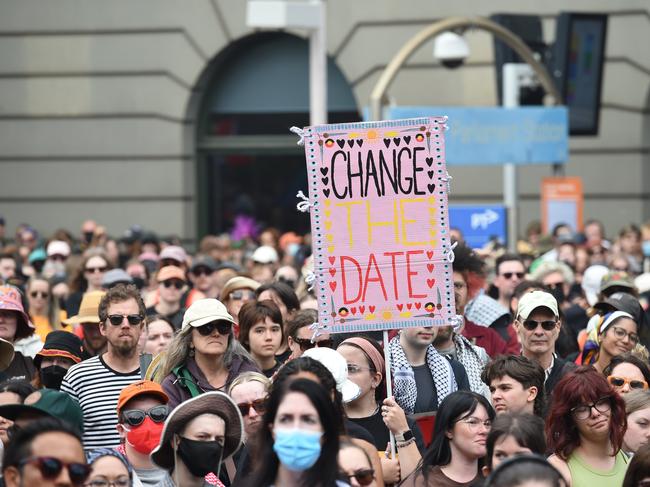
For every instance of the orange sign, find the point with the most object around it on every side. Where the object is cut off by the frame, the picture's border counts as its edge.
(562, 202)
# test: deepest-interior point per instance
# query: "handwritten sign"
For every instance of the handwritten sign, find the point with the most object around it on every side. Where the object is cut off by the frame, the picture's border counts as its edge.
(380, 227)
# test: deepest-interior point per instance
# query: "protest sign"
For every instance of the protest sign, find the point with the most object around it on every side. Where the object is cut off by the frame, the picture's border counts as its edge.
(380, 227)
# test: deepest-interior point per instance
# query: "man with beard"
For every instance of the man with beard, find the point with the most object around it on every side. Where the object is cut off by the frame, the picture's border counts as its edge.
(96, 383)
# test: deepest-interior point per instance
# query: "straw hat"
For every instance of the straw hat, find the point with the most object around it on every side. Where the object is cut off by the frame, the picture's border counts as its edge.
(88, 310)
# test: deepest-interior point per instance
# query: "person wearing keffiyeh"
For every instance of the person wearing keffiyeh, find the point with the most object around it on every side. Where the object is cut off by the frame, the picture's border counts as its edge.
(422, 377)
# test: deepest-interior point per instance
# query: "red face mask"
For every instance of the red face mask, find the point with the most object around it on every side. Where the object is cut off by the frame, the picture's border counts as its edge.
(145, 437)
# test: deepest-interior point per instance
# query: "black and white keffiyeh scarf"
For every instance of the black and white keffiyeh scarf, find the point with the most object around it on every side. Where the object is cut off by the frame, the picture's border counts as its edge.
(467, 355)
(404, 387)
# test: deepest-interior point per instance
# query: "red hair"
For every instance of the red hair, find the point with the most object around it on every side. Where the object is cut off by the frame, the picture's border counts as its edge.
(580, 386)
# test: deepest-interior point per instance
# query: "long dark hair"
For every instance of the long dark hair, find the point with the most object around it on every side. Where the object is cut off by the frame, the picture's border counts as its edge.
(454, 407)
(325, 471)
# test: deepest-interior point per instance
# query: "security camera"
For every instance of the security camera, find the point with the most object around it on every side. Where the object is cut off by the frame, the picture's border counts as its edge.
(450, 49)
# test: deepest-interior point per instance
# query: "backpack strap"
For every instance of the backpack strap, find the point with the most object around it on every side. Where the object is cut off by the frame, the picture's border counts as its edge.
(184, 377)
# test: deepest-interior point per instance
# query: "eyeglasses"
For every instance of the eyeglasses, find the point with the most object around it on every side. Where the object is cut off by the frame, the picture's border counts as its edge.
(120, 482)
(223, 327)
(355, 369)
(508, 275)
(621, 334)
(51, 467)
(583, 411)
(95, 270)
(621, 381)
(135, 417)
(306, 343)
(175, 283)
(364, 476)
(240, 295)
(41, 294)
(473, 423)
(531, 325)
(117, 320)
(202, 271)
(259, 405)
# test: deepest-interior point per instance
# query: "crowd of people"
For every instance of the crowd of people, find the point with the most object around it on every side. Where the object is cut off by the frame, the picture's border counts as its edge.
(129, 362)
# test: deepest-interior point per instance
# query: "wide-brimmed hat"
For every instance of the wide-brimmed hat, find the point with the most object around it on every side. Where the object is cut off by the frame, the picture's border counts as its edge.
(338, 366)
(204, 311)
(47, 402)
(11, 300)
(213, 402)
(237, 282)
(6, 354)
(59, 343)
(88, 310)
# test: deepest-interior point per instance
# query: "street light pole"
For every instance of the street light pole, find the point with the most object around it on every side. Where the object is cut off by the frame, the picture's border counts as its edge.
(318, 68)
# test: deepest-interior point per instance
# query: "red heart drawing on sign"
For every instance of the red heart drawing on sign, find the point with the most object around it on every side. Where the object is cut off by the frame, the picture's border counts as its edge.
(353, 310)
(431, 282)
(409, 305)
(362, 309)
(332, 271)
(333, 286)
(371, 308)
(429, 268)
(417, 305)
(400, 307)
(429, 254)
(332, 260)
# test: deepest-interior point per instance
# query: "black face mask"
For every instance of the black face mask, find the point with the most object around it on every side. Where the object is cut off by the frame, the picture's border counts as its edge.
(138, 281)
(52, 376)
(558, 294)
(200, 457)
(88, 236)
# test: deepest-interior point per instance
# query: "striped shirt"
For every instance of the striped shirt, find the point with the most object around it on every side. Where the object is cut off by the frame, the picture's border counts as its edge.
(97, 388)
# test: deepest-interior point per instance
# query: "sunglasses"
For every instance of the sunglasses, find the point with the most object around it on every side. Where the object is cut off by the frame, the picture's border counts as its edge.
(223, 327)
(202, 271)
(239, 295)
(259, 405)
(531, 325)
(39, 294)
(135, 417)
(94, 270)
(51, 467)
(175, 283)
(621, 381)
(508, 275)
(306, 343)
(363, 476)
(58, 257)
(134, 320)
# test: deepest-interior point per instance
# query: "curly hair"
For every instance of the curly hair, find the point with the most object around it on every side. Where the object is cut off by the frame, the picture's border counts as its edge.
(119, 294)
(582, 385)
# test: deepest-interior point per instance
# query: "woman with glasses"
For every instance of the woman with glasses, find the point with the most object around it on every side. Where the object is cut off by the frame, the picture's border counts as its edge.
(585, 428)
(355, 465)
(617, 333)
(463, 422)
(204, 356)
(637, 408)
(43, 308)
(300, 337)
(380, 416)
(299, 441)
(627, 372)
(109, 469)
(88, 277)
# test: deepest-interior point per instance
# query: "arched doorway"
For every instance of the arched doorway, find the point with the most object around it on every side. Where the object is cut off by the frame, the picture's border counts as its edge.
(247, 161)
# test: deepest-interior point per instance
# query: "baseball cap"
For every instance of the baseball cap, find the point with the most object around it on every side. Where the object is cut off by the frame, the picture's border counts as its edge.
(140, 388)
(88, 309)
(204, 311)
(529, 302)
(204, 261)
(616, 278)
(338, 366)
(47, 402)
(116, 276)
(37, 255)
(265, 255)
(621, 302)
(170, 272)
(174, 252)
(58, 247)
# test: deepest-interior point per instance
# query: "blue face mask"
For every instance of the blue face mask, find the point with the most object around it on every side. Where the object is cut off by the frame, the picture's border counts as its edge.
(297, 449)
(645, 246)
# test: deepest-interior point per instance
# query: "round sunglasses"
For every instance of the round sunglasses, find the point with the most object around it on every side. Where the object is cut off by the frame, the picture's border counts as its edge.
(50, 468)
(135, 417)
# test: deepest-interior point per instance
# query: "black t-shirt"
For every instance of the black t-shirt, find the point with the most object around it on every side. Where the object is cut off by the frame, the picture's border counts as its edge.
(427, 398)
(20, 368)
(377, 428)
(356, 431)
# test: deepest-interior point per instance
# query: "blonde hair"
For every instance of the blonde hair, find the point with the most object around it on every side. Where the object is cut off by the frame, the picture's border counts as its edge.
(252, 376)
